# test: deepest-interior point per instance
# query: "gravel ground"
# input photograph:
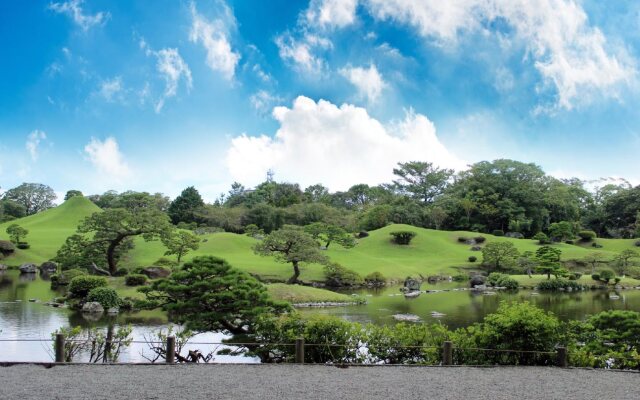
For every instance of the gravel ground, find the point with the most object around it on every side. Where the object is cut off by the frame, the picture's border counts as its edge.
(311, 382)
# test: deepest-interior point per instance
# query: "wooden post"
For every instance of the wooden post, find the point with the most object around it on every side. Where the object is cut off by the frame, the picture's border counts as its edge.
(300, 351)
(447, 353)
(59, 348)
(171, 350)
(563, 359)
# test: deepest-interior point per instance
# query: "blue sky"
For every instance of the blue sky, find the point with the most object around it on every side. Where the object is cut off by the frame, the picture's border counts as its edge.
(157, 96)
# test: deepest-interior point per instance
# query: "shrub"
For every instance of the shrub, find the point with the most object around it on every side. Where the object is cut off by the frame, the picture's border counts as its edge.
(363, 234)
(557, 284)
(23, 245)
(595, 277)
(403, 237)
(80, 286)
(637, 243)
(460, 278)
(541, 238)
(121, 272)
(606, 275)
(587, 236)
(569, 242)
(578, 275)
(617, 280)
(338, 276)
(498, 232)
(480, 239)
(135, 280)
(63, 279)
(473, 258)
(462, 239)
(375, 279)
(6, 247)
(166, 262)
(502, 280)
(596, 245)
(106, 296)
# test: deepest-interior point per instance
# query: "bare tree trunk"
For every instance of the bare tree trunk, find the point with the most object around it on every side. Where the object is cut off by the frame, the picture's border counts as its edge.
(111, 254)
(296, 273)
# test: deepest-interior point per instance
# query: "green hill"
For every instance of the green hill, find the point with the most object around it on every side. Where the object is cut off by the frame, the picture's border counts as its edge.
(430, 253)
(49, 229)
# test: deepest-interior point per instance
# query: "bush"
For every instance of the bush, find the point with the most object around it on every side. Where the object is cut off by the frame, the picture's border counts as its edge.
(121, 272)
(63, 279)
(587, 236)
(6, 247)
(135, 280)
(557, 284)
(498, 232)
(473, 258)
(460, 278)
(578, 275)
(569, 242)
(462, 239)
(617, 280)
(637, 243)
(596, 245)
(606, 275)
(23, 245)
(363, 234)
(502, 280)
(106, 296)
(166, 262)
(338, 276)
(480, 239)
(595, 277)
(403, 237)
(80, 286)
(541, 238)
(375, 279)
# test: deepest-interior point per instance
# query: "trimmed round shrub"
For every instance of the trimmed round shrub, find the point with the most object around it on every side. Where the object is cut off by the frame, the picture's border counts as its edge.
(557, 284)
(502, 280)
(587, 236)
(473, 258)
(23, 245)
(6, 247)
(166, 262)
(462, 239)
(637, 243)
(80, 286)
(63, 279)
(606, 275)
(595, 277)
(480, 239)
(363, 234)
(498, 232)
(121, 272)
(135, 280)
(375, 279)
(460, 278)
(569, 242)
(542, 238)
(106, 296)
(403, 237)
(617, 280)
(338, 276)
(596, 245)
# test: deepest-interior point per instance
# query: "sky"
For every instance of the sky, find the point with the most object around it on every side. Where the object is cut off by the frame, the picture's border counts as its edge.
(157, 96)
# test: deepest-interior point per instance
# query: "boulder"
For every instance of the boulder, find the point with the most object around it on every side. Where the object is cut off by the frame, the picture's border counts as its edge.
(156, 272)
(514, 235)
(3, 267)
(28, 268)
(477, 280)
(412, 284)
(476, 248)
(49, 267)
(92, 307)
(406, 318)
(113, 311)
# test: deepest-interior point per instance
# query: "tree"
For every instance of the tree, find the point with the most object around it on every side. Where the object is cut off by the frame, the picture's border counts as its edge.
(593, 259)
(207, 294)
(10, 210)
(79, 252)
(330, 233)
(72, 193)
(438, 215)
(16, 233)
(317, 194)
(561, 231)
(291, 244)
(548, 260)
(421, 180)
(180, 243)
(184, 208)
(468, 206)
(496, 255)
(35, 197)
(623, 260)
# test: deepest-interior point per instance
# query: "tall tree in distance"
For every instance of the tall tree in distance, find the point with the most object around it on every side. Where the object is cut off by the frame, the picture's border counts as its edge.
(34, 197)
(421, 180)
(185, 207)
(180, 243)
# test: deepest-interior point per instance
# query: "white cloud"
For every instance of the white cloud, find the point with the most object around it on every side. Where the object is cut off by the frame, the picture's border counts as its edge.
(338, 146)
(263, 101)
(111, 89)
(213, 36)
(73, 9)
(107, 158)
(300, 52)
(33, 142)
(571, 55)
(173, 69)
(332, 13)
(368, 81)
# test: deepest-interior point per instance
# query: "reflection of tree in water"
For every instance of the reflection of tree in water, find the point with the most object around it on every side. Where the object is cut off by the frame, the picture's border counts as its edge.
(5, 280)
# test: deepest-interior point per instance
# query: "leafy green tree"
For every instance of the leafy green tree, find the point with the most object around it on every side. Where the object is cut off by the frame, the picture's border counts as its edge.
(317, 194)
(548, 259)
(541, 237)
(422, 181)
(468, 206)
(34, 197)
(79, 252)
(375, 217)
(207, 294)
(437, 215)
(623, 260)
(72, 193)
(593, 259)
(328, 234)
(497, 255)
(185, 207)
(180, 243)
(291, 244)
(561, 231)
(10, 210)
(17, 233)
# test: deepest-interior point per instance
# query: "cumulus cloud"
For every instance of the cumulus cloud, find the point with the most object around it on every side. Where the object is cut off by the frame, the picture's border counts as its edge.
(73, 9)
(106, 157)
(111, 89)
(367, 81)
(300, 52)
(213, 36)
(263, 101)
(571, 55)
(33, 142)
(321, 142)
(331, 13)
(173, 69)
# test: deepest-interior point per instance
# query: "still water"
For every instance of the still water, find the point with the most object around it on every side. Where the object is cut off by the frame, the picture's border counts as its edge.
(22, 319)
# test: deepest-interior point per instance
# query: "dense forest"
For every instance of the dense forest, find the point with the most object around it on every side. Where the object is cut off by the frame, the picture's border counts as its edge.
(499, 197)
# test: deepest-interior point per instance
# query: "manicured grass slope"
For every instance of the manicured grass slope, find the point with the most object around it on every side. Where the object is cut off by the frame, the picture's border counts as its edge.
(48, 230)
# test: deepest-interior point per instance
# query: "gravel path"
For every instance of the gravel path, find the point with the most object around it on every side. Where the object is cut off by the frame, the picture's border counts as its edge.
(311, 382)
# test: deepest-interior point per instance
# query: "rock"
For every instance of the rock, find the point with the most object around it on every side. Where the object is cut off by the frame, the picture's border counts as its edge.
(3, 267)
(617, 287)
(514, 235)
(477, 280)
(32, 300)
(433, 279)
(92, 307)
(406, 317)
(476, 248)
(489, 293)
(156, 272)
(49, 267)
(436, 314)
(412, 284)
(614, 297)
(415, 293)
(113, 311)
(480, 287)
(28, 268)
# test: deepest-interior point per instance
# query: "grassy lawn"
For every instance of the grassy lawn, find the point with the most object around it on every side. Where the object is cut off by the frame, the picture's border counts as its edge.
(305, 294)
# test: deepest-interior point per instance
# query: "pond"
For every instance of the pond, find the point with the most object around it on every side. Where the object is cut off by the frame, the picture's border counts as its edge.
(22, 319)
